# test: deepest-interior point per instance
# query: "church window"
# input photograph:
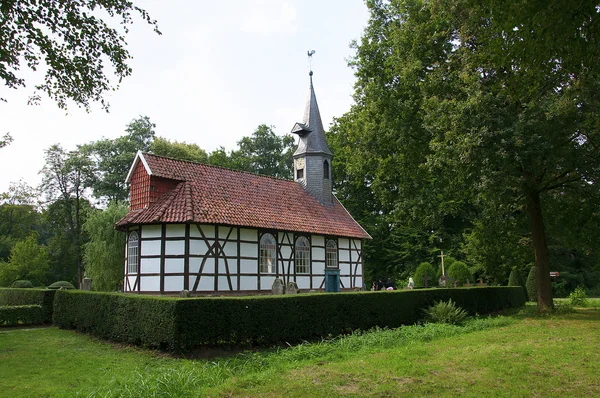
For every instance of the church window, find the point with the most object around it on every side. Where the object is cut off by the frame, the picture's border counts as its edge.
(133, 244)
(299, 174)
(302, 260)
(268, 254)
(331, 254)
(326, 169)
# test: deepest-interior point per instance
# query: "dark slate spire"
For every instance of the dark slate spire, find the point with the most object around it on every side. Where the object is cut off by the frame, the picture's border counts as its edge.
(311, 131)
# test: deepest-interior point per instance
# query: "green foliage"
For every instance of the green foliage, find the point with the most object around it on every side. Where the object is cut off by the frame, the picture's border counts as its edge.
(424, 269)
(61, 285)
(103, 255)
(28, 260)
(530, 285)
(6, 140)
(22, 284)
(112, 158)
(445, 312)
(73, 41)
(182, 324)
(264, 152)
(459, 272)
(22, 315)
(17, 297)
(578, 297)
(178, 150)
(515, 279)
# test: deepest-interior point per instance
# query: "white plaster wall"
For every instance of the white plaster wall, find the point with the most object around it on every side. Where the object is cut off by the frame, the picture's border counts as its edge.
(174, 265)
(318, 268)
(175, 230)
(286, 252)
(249, 234)
(358, 243)
(131, 280)
(266, 282)
(209, 267)
(150, 265)
(317, 240)
(344, 255)
(198, 247)
(231, 263)
(317, 280)
(173, 283)
(343, 243)
(318, 254)
(150, 248)
(249, 249)
(174, 247)
(346, 281)
(195, 265)
(207, 283)
(230, 249)
(208, 230)
(150, 284)
(303, 282)
(224, 231)
(344, 269)
(224, 284)
(151, 231)
(249, 266)
(249, 283)
(359, 269)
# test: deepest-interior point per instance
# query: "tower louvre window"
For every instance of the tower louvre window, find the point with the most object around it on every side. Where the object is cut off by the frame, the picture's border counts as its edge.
(299, 173)
(326, 169)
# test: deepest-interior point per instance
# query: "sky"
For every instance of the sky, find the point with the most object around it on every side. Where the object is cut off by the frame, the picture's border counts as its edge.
(219, 69)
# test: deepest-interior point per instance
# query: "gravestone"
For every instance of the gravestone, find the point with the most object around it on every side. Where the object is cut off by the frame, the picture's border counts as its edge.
(184, 294)
(444, 281)
(426, 281)
(454, 284)
(312, 291)
(468, 284)
(86, 284)
(480, 282)
(291, 288)
(277, 287)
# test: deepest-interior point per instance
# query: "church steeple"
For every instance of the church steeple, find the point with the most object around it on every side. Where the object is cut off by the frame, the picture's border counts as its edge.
(312, 159)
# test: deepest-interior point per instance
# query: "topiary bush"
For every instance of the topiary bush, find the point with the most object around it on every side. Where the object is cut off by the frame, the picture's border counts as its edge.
(515, 279)
(22, 284)
(422, 270)
(178, 324)
(19, 297)
(530, 285)
(61, 285)
(22, 315)
(445, 312)
(459, 272)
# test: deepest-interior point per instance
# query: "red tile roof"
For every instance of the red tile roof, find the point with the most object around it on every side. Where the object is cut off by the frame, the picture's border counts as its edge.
(215, 195)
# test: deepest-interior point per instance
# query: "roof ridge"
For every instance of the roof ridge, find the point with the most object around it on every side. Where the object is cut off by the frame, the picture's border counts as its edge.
(219, 167)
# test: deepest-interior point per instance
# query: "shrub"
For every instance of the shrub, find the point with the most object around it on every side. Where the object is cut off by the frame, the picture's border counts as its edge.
(459, 272)
(422, 270)
(181, 324)
(22, 284)
(578, 297)
(61, 285)
(22, 315)
(530, 285)
(514, 279)
(448, 261)
(18, 297)
(445, 312)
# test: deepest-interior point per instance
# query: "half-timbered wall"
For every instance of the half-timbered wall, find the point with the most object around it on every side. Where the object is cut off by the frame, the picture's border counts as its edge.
(218, 258)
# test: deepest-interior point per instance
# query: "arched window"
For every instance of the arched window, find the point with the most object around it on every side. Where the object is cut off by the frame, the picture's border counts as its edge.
(268, 253)
(133, 250)
(302, 262)
(331, 254)
(326, 169)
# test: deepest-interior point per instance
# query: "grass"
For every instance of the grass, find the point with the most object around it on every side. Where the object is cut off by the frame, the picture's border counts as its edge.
(517, 355)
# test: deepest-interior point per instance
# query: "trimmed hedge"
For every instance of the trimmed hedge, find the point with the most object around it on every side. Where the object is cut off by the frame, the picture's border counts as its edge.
(22, 315)
(18, 297)
(181, 324)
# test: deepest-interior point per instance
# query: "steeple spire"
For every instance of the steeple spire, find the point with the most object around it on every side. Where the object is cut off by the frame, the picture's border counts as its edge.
(312, 159)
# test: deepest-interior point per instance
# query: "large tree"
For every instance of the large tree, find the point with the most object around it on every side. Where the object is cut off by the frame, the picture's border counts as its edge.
(72, 40)
(490, 102)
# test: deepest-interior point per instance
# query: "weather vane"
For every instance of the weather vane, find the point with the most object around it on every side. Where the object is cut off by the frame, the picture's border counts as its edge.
(310, 53)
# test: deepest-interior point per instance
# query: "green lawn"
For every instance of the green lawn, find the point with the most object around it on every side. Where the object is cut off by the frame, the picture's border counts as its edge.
(520, 355)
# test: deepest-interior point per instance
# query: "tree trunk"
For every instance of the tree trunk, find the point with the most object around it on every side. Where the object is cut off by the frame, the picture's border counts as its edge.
(540, 247)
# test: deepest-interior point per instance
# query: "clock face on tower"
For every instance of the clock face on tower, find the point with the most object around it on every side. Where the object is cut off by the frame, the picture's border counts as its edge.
(299, 163)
